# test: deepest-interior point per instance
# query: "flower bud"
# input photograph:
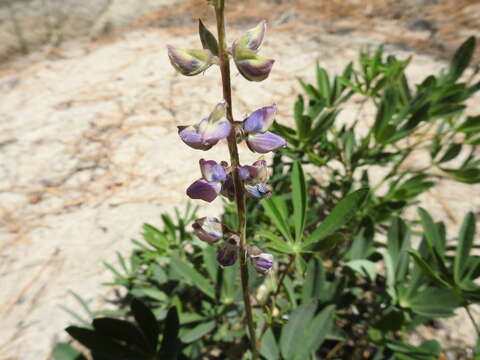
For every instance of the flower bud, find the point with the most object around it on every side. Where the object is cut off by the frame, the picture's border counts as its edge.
(227, 253)
(252, 66)
(190, 62)
(262, 262)
(265, 142)
(260, 120)
(208, 229)
(253, 38)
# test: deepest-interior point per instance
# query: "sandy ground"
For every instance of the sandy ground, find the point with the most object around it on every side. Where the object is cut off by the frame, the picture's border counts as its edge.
(89, 152)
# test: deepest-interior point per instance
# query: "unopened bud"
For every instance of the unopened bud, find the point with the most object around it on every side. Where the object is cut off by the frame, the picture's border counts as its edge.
(190, 62)
(252, 66)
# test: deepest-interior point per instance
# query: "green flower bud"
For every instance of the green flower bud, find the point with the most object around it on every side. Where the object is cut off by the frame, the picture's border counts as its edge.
(252, 66)
(253, 38)
(190, 62)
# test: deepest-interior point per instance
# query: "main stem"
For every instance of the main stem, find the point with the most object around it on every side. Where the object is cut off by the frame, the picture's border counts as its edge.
(234, 159)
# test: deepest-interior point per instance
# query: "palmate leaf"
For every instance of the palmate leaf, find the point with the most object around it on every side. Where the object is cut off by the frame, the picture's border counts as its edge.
(340, 215)
(193, 276)
(274, 211)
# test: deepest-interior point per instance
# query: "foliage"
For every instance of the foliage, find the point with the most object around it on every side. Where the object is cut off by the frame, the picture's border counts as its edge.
(353, 276)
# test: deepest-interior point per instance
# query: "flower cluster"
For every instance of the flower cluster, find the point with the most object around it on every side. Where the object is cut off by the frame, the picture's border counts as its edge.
(244, 50)
(217, 178)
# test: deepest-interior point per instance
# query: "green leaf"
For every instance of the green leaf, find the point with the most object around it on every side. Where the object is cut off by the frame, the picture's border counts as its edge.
(471, 125)
(451, 153)
(365, 268)
(170, 347)
(427, 269)
(461, 59)
(146, 321)
(464, 175)
(269, 348)
(293, 332)
(465, 243)
(65, 351)
(302, 125)
(299, 197)
(276, 242)
(434, 302)
(339, 216)
(191, 275)
(397, 246)
(207, 38)
(274, 212)
(122, 330)
(191, 335)
(323, 84)
(314, 281)
(315, 333)
(431, 232)
(99, 343)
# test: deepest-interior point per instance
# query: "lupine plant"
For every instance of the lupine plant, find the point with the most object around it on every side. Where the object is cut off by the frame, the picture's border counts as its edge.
(349, 276)
(234, 181)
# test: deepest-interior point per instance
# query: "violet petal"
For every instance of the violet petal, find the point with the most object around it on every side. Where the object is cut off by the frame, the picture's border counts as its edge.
(204, 190)
(265, 142)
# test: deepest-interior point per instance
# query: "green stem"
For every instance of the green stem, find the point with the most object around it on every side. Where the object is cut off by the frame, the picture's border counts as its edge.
(475, 325)
(235, 163)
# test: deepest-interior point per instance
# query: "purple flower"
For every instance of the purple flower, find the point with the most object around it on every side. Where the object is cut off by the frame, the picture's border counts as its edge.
(209, 131)
(190, 62)
(265, 142)
(255, 173)
(262, 262)
(208, 229)
(258, 191)
(210, 185)
(227, 253)
(255, 127)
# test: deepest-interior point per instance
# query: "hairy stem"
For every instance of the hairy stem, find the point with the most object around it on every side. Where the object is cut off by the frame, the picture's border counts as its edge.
(234, 159)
